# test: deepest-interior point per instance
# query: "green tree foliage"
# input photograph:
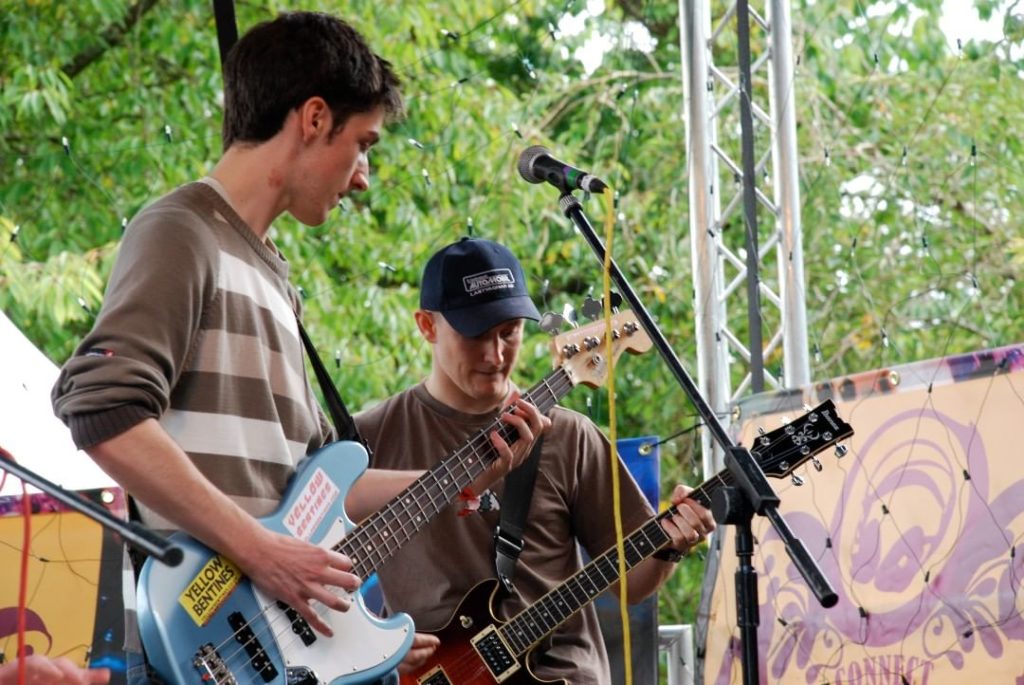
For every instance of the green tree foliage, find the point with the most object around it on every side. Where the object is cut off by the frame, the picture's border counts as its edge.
(908, 156)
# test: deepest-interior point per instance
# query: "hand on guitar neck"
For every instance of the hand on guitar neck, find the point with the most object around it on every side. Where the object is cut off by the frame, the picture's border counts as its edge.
(686, 523)
(529, 423)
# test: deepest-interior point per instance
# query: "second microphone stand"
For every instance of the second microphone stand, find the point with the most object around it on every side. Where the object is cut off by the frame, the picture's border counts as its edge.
(753, 494)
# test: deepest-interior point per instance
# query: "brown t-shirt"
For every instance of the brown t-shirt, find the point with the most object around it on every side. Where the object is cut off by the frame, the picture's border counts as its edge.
(572, 502)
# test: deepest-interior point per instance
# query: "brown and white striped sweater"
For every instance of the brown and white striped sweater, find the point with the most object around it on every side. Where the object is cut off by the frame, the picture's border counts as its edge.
(198, 329)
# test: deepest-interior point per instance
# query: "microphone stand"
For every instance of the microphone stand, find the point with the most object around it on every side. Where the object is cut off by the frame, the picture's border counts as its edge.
(733, 505)
(135, 534)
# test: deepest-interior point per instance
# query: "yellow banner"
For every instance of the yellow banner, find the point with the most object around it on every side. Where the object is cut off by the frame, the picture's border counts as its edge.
(71, 581)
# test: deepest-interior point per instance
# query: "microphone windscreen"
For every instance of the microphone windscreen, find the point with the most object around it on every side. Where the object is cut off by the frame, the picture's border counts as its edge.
(526, 160)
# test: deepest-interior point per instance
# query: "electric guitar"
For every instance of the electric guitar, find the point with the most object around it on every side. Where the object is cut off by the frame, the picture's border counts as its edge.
(203, 622)
(479, 649)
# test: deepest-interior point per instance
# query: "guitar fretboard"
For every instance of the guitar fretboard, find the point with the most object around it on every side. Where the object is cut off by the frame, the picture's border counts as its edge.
(531, 625)
(384, 533)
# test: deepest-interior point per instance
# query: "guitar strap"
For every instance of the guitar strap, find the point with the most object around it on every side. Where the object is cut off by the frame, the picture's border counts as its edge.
(344, 424)
(515, 503)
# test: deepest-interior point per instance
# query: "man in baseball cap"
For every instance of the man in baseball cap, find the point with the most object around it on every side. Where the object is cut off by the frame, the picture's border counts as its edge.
(473, 308)
(476, 284)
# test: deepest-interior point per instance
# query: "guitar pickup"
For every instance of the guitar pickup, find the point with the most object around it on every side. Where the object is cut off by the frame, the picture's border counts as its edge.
(299, 625)
(435, 676)
(258, 658)
(495, 653)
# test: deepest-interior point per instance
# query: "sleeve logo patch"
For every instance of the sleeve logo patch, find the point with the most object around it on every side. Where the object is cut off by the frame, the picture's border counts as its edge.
(208, 590)
(311, 506)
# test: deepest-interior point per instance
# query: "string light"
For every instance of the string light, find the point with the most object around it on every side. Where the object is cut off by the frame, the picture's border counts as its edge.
(528, 65)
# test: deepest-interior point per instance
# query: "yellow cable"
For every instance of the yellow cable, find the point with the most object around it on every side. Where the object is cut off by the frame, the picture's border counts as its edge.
(609, 224)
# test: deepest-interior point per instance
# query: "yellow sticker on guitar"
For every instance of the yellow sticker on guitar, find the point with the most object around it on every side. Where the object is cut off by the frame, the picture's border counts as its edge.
(208, 590)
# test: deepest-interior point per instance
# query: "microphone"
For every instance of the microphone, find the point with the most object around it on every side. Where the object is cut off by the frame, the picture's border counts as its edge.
(536, 165)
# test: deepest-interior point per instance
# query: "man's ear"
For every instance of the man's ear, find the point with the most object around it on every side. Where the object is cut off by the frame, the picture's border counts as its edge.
(314, 118)
(425, 322)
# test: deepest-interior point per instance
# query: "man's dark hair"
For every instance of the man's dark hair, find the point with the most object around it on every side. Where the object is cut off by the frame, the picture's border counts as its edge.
(279, 64)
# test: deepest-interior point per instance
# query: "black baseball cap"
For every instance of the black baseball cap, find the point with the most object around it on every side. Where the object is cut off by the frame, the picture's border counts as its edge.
(476, 284)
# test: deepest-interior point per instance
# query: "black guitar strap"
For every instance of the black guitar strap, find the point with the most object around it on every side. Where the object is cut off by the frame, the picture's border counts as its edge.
(344, 424)
(515, 503)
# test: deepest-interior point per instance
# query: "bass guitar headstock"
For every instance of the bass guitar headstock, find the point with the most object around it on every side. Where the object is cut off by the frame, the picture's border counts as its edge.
(583, 352)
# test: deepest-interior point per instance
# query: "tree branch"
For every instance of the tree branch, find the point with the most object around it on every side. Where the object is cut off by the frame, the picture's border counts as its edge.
(110, 37)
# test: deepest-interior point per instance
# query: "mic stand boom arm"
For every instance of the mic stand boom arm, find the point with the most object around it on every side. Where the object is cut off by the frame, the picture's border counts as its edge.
(132, 533)
(752, 483)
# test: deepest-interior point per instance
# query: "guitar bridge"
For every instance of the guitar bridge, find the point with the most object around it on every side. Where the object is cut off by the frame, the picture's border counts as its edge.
(500, 660)
(212, 667)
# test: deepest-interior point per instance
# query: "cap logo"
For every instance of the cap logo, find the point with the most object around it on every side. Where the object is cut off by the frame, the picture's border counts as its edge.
(486, 281)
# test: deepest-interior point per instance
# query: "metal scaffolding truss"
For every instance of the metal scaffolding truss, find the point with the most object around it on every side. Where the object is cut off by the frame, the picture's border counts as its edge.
(744, 202)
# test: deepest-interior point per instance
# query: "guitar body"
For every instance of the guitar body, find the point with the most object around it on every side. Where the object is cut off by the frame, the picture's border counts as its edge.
(202, 621)
(458, 661)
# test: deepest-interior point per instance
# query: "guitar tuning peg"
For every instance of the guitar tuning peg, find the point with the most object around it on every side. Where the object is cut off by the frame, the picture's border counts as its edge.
(591, 308)
(616, 300)
(760, 430)
(807, 408)
(841, 451)
(817, 464)
(797, 480)
(551, 323)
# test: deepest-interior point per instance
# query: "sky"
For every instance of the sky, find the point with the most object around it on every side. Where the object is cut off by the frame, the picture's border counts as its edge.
(959, 21)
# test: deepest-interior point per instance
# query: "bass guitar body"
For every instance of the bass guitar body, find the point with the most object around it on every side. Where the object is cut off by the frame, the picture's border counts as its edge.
(203, 622)
(472, 650)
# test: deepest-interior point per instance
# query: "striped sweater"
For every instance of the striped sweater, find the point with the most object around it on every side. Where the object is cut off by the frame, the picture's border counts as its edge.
(199, 330)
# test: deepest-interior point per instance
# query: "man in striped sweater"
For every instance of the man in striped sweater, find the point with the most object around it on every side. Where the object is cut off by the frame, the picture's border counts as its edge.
(191, 390)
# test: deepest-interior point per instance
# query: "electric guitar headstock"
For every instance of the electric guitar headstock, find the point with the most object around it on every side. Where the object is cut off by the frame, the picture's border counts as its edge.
(782, 450)
(583, 352)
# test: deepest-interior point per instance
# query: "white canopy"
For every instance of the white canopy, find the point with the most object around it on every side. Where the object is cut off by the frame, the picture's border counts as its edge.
(28, 429)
